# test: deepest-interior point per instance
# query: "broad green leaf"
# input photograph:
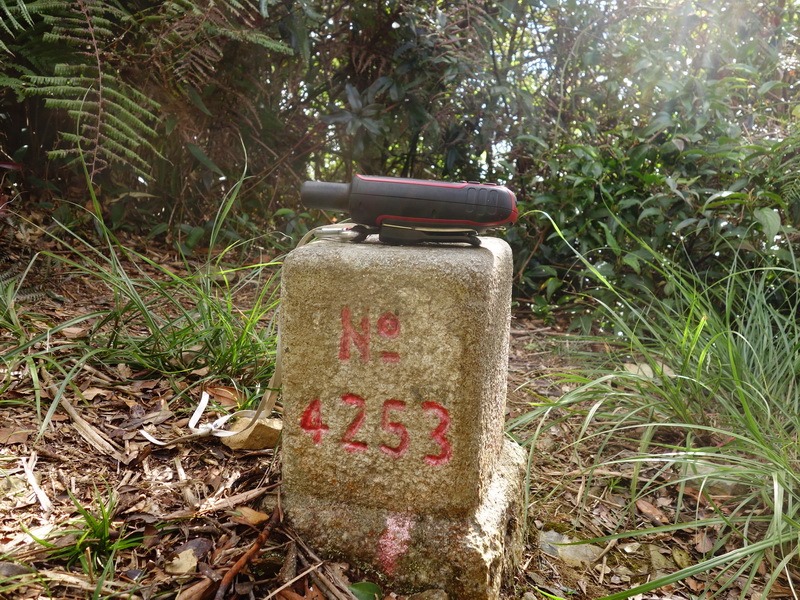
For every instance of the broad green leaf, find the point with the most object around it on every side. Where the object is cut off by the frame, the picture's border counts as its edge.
(203, 158)
(632, 261)
(198, 101)
(553, 284)
(769, 85)
(365, 590)
(770, 222)
(533, 138)
(649, 212)
(195, 235)
(611, 242)
(353, 97)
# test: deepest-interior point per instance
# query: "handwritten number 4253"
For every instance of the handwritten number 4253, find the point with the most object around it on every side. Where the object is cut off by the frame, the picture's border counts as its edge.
(313, 424)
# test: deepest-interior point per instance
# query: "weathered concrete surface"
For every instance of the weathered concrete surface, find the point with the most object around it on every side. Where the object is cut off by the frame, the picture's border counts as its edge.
(394, 384)
(467, 557)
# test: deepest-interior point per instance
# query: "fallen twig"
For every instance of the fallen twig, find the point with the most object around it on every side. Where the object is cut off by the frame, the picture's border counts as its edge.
(291, 581)
(325, 578)
(228, 578)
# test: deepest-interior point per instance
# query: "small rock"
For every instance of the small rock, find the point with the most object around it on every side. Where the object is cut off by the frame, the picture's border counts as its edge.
(681, 557)
(560, 546)
(716, 480)
(9, 569)
(659, 563)
(264, 434)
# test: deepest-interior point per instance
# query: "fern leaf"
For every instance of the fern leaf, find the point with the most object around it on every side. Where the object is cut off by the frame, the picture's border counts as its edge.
(109, 127)
(9, 23)
(195, 40)
(132, 99)
(253, 37)
(25, 12)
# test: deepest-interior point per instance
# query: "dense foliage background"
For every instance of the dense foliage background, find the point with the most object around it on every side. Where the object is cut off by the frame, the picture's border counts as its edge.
(669, 121)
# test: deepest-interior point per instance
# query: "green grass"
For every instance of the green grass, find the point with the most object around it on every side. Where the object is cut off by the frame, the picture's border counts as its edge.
(211, 321)
(176, 324)
(92, 539)
(718, 400)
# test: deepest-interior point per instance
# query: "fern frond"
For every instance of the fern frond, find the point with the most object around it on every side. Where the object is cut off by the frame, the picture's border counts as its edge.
(789, 182)
(113, 122)
(9, 23)
(253, 37)
(12, 15)
(102, 72)
(194, 41)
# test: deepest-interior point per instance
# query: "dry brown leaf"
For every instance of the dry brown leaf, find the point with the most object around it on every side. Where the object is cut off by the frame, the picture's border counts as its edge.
(81, 582)
(646, 371)
(225, 395)
(200, 546)
(184, 563)
(247, 516)
(694, 585)
(187, 556)
(74, 332)
(264, 433)
(681, 557)
(653, 514)
(702, 542)
(314, 594)
(92, 435)
(145, 384)
(41, 496)
(202, 590)
(9, 435)
(631, 547)
(124, 371)
(92, 393)
(664, 501)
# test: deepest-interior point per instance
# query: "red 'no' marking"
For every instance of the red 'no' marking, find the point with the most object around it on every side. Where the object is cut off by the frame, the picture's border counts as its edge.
(388, 325)
(350, 336)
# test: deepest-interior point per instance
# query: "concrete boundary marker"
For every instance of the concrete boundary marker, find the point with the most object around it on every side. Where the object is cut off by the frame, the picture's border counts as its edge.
(394, 456)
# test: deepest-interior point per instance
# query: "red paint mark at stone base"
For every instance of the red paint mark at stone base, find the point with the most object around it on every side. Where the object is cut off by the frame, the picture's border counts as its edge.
(394, 541)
